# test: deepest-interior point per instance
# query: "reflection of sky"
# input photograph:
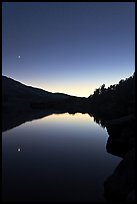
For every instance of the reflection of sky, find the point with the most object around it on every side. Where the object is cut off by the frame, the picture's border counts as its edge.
(63, 153)
(68, 47)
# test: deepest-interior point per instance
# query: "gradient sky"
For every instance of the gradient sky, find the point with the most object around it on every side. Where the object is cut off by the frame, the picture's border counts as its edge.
(68, 47)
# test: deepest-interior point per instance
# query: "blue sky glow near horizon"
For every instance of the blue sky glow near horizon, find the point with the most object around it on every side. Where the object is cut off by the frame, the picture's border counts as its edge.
(68, 47)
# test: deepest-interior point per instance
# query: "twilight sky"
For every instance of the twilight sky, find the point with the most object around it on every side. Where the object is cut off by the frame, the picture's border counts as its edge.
(69, 47)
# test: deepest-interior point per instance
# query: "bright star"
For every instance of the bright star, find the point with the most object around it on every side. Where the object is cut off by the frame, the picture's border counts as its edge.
(19, 56)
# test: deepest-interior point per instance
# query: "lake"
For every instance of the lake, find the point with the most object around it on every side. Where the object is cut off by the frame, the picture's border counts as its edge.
(60, 157)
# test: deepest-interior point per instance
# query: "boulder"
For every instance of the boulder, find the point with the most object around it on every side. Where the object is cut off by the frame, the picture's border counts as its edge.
(120, 185)
(116, 126)
(117, 146)
(121, 135)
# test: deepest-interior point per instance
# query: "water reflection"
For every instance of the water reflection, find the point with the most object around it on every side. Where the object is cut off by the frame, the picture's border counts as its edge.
(98, 120)
(13, 119)
(62, 157)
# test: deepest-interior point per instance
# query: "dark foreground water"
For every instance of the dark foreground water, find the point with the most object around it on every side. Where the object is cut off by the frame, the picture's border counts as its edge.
(60, 157)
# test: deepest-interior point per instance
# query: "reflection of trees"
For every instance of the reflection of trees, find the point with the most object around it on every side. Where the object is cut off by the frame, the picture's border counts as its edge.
(14, 118)
(98, 120)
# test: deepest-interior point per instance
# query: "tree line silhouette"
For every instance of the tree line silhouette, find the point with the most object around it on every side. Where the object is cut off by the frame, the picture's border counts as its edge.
(115, 101)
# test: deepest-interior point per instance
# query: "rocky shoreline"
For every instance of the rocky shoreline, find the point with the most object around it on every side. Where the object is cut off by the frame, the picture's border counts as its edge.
(120, 186)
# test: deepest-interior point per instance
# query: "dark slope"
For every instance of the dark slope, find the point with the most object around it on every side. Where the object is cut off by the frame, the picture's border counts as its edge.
(19, 96)
(14, 89)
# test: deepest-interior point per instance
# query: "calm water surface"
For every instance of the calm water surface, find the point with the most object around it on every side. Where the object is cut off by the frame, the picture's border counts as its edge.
(60, 157)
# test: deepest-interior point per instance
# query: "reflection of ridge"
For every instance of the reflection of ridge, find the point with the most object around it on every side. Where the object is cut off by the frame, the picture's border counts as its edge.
(13, 119)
